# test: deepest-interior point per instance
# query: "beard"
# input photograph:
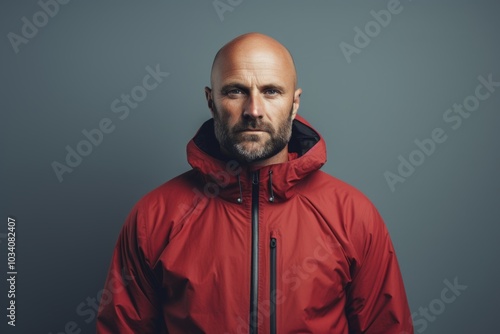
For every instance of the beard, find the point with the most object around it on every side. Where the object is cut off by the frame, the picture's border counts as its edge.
(247, 147)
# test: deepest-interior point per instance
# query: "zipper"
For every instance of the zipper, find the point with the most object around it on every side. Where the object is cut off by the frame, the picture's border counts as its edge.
(254, 272)
(273, 285)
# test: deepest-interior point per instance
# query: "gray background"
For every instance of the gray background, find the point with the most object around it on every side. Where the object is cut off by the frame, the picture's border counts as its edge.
(443, 219)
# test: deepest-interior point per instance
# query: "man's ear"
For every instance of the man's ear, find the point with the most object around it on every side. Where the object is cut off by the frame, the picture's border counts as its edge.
(296, 102)
(210, 101)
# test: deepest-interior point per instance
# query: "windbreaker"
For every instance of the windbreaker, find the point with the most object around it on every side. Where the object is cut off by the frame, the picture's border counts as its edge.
(225, 248)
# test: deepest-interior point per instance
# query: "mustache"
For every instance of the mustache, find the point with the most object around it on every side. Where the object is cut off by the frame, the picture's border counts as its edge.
(253, 125)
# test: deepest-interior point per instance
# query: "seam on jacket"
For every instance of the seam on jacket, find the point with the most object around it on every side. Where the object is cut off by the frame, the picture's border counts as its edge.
(329, 226)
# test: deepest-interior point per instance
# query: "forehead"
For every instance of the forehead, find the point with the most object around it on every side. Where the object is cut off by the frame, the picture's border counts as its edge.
(254, 65)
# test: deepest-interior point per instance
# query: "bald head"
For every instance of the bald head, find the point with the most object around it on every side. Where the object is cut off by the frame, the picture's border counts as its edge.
(253, 47)
(253, 99)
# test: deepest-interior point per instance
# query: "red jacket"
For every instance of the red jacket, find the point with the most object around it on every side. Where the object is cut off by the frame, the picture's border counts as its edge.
(283, 248)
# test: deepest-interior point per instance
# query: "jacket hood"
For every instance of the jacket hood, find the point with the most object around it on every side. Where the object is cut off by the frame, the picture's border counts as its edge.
(230, 180)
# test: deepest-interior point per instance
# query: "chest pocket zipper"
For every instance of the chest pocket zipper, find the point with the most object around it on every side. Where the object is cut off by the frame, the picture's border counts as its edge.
(273, 246)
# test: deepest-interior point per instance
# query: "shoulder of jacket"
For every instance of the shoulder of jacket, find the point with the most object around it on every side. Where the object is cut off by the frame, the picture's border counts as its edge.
(351, 213)
(170, 194)
(355, 211)
(157, 214)
(156, 217)
(323, 183)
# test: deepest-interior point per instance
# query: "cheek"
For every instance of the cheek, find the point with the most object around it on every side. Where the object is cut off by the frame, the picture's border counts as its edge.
(228, 115)
(282, 116)
(280, 109)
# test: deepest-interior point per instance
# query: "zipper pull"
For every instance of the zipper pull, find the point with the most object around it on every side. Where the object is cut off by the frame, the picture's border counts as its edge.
(255, 177)
(273, 242)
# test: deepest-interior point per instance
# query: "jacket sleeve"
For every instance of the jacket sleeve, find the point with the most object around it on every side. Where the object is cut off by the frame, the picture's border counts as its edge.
(130, 301)
(376, 297)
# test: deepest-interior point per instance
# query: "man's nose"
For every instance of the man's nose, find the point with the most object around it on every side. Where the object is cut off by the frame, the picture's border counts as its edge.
(254, 106)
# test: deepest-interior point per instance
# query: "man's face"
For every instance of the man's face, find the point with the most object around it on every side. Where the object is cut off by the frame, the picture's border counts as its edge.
(252, 139)
(253, 104)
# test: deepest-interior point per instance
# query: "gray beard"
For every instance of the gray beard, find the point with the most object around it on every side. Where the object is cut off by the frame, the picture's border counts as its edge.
(233, 142)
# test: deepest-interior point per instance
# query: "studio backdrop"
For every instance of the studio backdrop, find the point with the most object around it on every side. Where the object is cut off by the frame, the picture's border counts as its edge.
(99, 99)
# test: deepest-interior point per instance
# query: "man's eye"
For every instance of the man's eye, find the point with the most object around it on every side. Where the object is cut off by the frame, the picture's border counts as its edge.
(234, 91)
(272, 92)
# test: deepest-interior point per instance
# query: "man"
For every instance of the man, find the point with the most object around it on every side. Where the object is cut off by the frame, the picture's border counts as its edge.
(255, 238)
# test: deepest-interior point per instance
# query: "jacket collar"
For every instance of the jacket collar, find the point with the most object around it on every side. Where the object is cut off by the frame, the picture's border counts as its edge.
(230, 180)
